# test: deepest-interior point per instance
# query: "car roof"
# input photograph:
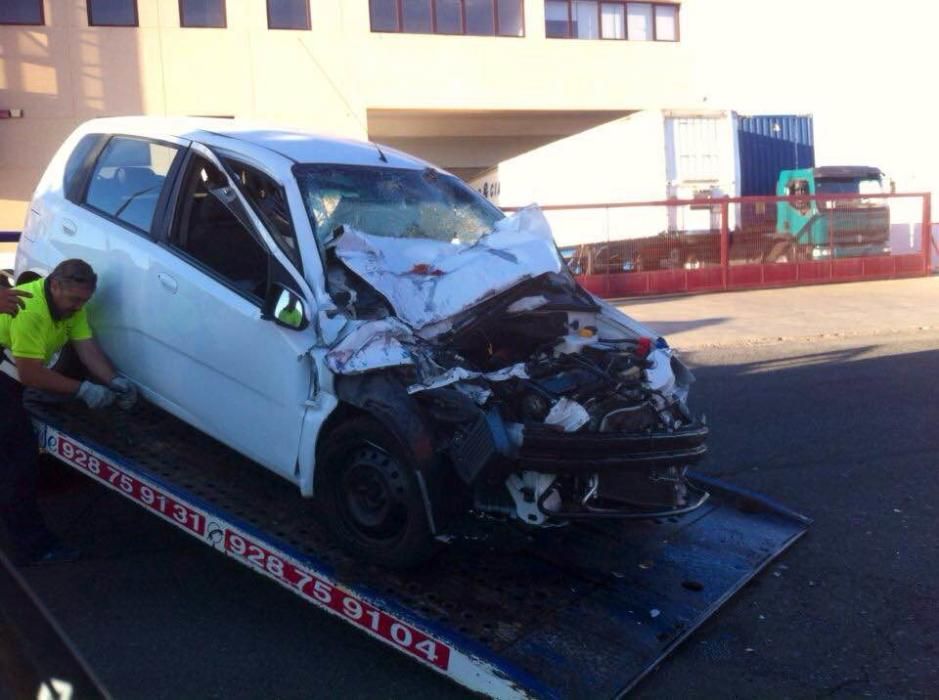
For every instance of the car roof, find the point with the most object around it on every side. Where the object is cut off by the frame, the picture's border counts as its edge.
(847, 171)
(294, 144)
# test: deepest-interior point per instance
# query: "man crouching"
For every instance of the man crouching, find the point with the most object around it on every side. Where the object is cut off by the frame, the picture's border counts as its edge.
(37, 319)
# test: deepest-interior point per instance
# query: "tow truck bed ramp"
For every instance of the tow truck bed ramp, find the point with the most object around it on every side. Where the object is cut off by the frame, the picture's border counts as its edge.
(580, 612)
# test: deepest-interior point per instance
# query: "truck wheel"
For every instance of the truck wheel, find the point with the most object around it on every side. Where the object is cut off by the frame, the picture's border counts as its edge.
(370, 496)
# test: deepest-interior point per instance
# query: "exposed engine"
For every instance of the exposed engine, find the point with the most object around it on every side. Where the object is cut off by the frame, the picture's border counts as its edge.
(559, 414)
(548, 404)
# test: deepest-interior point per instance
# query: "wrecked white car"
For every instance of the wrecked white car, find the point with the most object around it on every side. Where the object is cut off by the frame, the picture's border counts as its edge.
(367, 327)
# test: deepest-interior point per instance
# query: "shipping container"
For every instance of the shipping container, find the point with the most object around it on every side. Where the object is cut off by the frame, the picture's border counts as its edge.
(651, 155)
(771, 143)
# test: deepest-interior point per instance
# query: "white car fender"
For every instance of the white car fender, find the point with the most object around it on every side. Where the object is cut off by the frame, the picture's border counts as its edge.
(319, 406)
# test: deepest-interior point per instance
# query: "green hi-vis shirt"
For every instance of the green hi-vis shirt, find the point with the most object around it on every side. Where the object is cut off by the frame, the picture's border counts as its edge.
(33, 333)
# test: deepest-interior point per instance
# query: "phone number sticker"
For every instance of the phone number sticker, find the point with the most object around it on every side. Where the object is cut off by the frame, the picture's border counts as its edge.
(148, 496)
(329, 596)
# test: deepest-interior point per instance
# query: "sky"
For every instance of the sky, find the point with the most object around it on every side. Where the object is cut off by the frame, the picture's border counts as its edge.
(864, 69)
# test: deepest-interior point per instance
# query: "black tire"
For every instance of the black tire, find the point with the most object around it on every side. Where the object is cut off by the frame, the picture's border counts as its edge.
(370, 497)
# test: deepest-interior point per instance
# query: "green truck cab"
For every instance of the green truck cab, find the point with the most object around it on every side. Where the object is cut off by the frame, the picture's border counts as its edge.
(816, 228)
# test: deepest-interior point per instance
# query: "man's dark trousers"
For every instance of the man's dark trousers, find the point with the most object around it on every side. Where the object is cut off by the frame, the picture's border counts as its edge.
(19, 475)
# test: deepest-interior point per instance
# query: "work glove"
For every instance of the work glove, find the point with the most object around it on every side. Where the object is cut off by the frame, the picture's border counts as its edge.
(126, 391)
(95, 395)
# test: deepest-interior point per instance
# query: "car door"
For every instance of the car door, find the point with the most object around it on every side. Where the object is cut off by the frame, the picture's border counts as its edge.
(212, 356)
(111, 207)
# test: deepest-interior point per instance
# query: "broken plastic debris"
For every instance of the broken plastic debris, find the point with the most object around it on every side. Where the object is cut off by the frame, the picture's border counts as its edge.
(478, 394)
(654, 612)
(372, 345)
(526, 304)
(458, 374)
(645, 564)
(517, 371)
(568, 414)
(659, 375)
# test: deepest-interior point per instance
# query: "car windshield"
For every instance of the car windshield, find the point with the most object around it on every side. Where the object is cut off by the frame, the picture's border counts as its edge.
(393, 202)
(847, 186)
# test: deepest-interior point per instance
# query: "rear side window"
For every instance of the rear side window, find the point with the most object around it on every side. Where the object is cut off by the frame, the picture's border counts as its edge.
(128, 179)
(72, 181)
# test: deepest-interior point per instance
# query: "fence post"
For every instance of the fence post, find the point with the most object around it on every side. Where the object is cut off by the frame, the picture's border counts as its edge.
(725, 243)
(926, 231)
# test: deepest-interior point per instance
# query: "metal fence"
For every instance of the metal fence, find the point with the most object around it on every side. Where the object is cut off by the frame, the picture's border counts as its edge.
(673, 246)
(664, 247)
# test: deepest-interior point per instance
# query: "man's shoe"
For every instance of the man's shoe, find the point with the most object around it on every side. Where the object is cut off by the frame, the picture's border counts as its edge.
(58, 553)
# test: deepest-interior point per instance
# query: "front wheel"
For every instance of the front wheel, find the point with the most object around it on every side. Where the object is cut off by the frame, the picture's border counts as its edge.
(370, 496)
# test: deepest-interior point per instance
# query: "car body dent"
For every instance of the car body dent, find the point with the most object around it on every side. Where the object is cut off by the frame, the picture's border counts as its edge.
(428, 281)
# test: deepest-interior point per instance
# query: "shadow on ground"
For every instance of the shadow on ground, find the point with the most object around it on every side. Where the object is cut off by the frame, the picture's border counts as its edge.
(848, 438)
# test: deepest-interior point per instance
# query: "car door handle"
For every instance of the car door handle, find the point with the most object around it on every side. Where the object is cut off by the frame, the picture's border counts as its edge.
(167, 281)
(69, 227)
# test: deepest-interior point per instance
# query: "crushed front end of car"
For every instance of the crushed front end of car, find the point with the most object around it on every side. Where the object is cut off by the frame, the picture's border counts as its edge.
(526, 397)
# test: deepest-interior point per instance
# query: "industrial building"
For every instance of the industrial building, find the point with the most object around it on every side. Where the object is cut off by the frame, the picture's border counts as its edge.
(462, 83)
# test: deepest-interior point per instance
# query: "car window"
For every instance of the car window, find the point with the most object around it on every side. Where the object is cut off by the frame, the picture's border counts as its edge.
(798, 187)
(128, 179)
(71, 180)
(269, 201)
(213, 228)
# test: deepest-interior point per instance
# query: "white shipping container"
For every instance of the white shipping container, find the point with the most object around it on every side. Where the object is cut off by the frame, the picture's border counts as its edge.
(648, 156)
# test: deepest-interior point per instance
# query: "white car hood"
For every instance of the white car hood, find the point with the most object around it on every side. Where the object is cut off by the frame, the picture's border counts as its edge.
(428, 281)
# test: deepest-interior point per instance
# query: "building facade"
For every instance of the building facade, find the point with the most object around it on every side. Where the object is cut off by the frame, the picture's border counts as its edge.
(462, 83)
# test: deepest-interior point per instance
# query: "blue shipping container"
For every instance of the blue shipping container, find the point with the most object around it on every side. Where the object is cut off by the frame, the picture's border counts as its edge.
(769, 143)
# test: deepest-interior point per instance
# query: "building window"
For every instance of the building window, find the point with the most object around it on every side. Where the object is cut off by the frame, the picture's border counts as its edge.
(21, 12)
(288, 14)
(202, 13)
(612, 24)
(639, 21)
(666, 23)
(470, 17)
(611, 19)
(112, 13)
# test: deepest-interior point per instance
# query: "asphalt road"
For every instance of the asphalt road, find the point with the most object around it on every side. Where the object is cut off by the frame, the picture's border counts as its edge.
(841, 430)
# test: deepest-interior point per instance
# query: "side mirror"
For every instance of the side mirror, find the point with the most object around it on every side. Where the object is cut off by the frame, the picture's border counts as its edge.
(289, 310)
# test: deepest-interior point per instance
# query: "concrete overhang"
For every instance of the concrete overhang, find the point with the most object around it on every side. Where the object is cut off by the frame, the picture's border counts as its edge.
(467, 142)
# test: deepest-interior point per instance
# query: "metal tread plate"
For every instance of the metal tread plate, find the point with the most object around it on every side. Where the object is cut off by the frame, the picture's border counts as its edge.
(576, 612)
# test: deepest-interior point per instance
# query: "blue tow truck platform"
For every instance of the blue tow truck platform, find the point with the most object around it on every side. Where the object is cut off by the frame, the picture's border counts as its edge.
(584, 611)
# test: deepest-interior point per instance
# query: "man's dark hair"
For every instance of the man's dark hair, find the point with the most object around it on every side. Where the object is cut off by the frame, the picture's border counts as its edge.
(75, 271)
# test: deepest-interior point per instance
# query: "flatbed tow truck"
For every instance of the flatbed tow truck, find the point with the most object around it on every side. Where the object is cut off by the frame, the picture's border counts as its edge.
(584, 611)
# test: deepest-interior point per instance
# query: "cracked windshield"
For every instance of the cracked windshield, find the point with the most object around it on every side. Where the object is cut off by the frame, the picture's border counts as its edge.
(394, 203)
